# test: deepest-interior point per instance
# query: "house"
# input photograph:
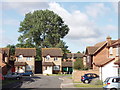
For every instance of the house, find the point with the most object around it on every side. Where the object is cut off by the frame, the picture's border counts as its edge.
(110, 65)
(51, 60)
(25, 59)
(94, 53)
(4, 60)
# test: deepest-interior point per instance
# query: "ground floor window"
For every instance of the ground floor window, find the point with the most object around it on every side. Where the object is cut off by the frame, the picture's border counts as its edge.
(57, 67)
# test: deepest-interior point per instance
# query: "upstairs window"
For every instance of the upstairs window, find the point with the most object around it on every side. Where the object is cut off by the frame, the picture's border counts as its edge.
(55, 58)
(117, 51)
(48, 57)
(20, 57)
(111, 50)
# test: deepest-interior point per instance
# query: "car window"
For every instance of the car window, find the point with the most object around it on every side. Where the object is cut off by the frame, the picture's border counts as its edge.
(88, 75)
(116, 80)
(107, 79)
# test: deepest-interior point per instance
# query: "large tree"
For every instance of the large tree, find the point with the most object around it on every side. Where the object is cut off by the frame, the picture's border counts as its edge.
(42, 28)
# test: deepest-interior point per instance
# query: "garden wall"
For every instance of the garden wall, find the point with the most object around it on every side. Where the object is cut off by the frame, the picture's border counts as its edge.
(78, 73)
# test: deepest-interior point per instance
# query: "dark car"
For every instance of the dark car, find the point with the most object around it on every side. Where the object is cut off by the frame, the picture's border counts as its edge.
(27, 73)
(13, 75)
(87, 78)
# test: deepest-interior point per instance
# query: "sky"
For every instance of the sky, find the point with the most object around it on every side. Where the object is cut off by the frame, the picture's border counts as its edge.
(89, 22)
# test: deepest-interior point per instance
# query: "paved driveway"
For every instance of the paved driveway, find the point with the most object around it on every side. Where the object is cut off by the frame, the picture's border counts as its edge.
(41, 81)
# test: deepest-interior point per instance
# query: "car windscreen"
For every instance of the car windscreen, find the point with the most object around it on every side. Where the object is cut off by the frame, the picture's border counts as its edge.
(107, 79)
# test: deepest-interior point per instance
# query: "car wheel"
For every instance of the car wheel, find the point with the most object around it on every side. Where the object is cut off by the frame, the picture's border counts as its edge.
(113, 89)
(86, 81)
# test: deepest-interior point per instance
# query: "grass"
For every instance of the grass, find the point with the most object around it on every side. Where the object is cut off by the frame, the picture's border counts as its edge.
(6, 82)
(77, 82)
(88, 85)
(69, 77)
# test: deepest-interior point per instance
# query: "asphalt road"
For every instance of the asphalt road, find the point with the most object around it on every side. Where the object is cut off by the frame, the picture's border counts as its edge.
(41, 81)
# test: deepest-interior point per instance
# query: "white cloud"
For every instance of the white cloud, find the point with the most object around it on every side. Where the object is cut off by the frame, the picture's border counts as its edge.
(24, 7)
(97, 9)
(78, 22)
(111, 28)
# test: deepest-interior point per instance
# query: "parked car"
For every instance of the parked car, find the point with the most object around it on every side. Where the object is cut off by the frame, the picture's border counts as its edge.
(27, 73)
(111, 83)
(1, 76)
(13, 75)
(87, 78)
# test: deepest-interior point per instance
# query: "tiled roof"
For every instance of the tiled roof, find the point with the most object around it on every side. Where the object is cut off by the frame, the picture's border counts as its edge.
(117, 62)
(47, 64)
(103, 61)
(52, 52)
(91, 49)
(5, 50)
(116, 43)
(20, 63)
(25, 51)
(66, 64)
(78, 55)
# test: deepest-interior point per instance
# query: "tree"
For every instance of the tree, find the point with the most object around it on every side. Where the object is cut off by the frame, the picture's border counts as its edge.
(42, 28)
(12, 49)
(78, 64)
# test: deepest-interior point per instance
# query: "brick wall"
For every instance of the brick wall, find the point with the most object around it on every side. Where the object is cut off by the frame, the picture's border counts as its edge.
(77, 74)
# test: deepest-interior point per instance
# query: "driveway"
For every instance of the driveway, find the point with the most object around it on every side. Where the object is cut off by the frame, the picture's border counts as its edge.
(41, 81)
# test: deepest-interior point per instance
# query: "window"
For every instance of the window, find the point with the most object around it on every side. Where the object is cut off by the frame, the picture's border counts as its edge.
(48, 57)
(88, 59)
(117, 51)
(29, 67)
(111, 50)
(20, 57)
(55, 58)
(28, 58)
(116, 80)
(57, 67)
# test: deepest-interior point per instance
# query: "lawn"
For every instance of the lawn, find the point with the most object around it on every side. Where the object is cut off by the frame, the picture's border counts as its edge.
(88, 85)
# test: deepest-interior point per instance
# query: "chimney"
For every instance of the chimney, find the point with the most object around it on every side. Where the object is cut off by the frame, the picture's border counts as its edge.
(108, 39)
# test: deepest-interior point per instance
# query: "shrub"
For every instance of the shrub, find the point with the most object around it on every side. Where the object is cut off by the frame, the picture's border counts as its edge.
(96, 81)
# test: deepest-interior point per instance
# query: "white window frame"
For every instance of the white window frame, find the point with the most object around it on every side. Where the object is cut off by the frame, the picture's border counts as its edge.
(57, 67)
(28, 58)
(111, 50)
(55, 58)
(117, 51)
(48, 57)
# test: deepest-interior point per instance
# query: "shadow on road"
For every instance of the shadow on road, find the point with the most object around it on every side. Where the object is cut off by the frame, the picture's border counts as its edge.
(19, 83)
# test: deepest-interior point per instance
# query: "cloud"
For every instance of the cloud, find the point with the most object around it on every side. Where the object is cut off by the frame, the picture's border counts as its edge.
(78, 22)
(97, 9)
(111, 28)
(24, 7)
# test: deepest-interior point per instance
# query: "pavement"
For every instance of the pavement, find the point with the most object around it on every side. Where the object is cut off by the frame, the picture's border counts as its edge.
(67, 83)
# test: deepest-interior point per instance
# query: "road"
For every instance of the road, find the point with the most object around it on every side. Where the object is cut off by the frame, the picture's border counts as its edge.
(41, 81)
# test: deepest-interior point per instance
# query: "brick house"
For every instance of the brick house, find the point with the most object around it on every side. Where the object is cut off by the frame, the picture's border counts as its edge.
(4, 60)
(98, 52)
(110, 65)
(51, 60)
(25, 59)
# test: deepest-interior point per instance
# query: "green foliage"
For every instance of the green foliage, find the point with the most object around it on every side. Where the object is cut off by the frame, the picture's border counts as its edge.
(12, 49)
(78, 64)
(42, 28)
(96, 82)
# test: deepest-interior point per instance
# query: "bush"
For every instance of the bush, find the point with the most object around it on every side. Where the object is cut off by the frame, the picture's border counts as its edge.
(96, 81)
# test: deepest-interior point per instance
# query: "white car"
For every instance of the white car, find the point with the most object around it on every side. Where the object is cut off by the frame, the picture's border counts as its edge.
(112, 83)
